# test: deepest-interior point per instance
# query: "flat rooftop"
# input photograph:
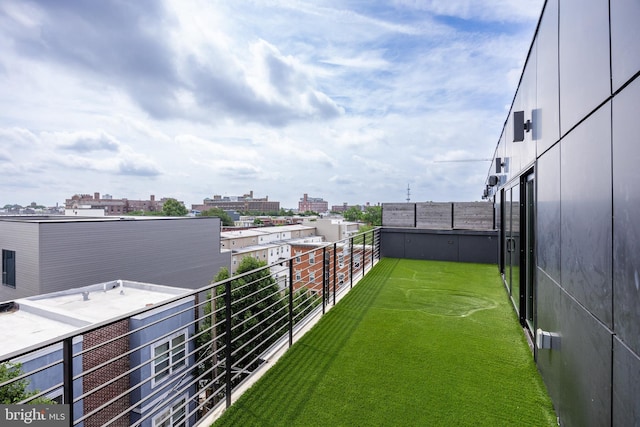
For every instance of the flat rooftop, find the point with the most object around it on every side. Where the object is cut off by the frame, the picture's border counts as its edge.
(43, 317)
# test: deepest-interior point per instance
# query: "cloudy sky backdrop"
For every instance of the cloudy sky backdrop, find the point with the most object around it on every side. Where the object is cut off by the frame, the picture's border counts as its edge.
(348, 100)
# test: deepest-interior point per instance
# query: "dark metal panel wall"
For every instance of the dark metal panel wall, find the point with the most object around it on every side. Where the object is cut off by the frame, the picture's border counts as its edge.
(392, 243)
(522, 153)
(585, 364)
(447, 245)
(478, 248)
(438, 247)
(584, 59)
(577, 373)
(626, 387)
(548, 213)
(586, 214)
(546, 121)
(587, 222)
(550, 361)
(626, 221)
(625, 39)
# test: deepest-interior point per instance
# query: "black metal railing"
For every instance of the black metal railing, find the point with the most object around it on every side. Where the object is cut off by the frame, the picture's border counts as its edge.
(178, 360)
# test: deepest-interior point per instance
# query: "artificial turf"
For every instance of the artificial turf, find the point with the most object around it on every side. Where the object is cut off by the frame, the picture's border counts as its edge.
(415, 343)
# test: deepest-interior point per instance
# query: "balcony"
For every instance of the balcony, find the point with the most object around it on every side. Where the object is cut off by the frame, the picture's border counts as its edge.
(407, 342)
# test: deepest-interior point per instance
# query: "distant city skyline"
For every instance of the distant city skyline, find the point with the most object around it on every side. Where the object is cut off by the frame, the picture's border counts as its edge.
(348, 100)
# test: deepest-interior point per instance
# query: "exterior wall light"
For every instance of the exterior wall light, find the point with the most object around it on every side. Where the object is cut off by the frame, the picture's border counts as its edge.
(520, 126)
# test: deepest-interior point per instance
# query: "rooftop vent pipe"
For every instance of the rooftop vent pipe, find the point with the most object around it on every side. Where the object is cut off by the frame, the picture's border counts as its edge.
(121, 287)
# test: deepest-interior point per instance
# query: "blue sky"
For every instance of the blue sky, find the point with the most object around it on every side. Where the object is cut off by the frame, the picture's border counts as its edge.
(350, 101)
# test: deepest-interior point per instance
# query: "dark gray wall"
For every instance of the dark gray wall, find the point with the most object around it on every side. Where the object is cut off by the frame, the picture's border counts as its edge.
(440, 245)
(581, 88)
(57, 255)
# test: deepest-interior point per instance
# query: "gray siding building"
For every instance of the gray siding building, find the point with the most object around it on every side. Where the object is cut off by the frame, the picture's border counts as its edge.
(564, 182)
(43, 255)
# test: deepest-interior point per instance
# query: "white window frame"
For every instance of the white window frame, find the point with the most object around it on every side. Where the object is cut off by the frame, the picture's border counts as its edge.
(168, 414)
(170, 353)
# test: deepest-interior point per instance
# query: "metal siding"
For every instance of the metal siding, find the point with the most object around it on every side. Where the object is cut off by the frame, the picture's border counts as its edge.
(183, 253)
(549, 297)
(625, 38)
(584, 58)
(585, 367)
(450, 245)
(547, 118)
(438, 247)
(626, 387)
(548, 213)
(586, 214)
(22, 238)
(626, 221)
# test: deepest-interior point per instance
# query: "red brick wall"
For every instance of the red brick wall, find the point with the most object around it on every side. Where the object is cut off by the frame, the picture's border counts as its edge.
(100, 376)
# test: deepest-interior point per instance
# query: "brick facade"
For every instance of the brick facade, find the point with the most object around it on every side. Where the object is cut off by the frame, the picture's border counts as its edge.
(116, 352)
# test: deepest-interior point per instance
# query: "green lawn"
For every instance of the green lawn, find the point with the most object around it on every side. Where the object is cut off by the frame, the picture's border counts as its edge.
(415, 343)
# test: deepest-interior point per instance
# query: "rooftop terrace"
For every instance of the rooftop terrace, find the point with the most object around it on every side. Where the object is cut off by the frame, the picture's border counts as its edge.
(414, 343)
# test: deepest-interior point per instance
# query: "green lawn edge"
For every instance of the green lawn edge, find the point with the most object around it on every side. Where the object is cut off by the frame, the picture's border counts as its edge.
(414, 343)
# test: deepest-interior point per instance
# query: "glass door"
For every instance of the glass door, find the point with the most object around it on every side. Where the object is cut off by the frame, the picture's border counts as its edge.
(529, 305)
(514, 247)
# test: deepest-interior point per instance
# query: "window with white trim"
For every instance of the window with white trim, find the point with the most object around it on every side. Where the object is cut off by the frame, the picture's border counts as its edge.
(175, 416)
(168, 356)
(312, 258)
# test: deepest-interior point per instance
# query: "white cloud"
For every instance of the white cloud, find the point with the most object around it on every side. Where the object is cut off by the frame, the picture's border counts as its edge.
(349, 101)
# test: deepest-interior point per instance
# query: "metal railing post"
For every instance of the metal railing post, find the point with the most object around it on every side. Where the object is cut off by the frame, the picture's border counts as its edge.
(373, 246)
(227, 341)
(324, 280)
(335, 267)
(351, 262)
(67, 368)
(290, 302)
(364, 251)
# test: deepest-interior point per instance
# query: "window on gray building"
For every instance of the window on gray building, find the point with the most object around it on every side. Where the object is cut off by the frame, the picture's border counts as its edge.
(9, 268)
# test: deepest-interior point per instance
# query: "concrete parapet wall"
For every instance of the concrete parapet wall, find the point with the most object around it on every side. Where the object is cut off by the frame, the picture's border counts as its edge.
(439, 216)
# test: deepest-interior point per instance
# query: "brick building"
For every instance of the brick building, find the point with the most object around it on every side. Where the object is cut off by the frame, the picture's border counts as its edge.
(113, 206)
(244, 203)
(313, 204)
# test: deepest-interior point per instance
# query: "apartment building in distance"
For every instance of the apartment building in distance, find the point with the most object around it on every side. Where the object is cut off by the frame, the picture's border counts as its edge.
(332, 229)
(312, 204)
(113, 206)
(48, 254)
(267, 244)
(244, 203)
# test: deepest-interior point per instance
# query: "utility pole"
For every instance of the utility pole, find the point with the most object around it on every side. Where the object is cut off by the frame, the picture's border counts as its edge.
(408, 194)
